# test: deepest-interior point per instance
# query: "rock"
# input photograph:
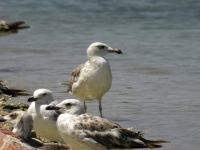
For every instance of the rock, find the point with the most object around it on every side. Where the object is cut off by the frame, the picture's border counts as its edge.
(11, 107)
(10, 141)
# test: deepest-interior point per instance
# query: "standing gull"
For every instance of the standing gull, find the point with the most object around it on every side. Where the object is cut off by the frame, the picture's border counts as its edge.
(91, 132)
(44, 121)
(91, 80)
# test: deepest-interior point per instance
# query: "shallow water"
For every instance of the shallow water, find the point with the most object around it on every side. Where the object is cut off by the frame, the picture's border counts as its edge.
(156, 81)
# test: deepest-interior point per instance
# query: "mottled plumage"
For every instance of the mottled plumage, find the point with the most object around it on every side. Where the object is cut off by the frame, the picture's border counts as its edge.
(91, 80)
(93, 123)
(90, 131)
(4, 89)
(74, 77)
(22, 122)
(12, 27)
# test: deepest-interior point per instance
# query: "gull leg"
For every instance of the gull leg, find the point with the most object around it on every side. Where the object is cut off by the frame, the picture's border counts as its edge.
(100, 109)
(85, 107)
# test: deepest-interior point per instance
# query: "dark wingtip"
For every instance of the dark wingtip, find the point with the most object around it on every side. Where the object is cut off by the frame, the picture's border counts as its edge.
(18, 25)
(14, 92)
(154, 143)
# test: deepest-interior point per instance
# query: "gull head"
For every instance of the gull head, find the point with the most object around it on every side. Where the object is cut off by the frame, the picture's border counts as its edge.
(12, 117)
(101, 49)
(69, 106)
(41, 96)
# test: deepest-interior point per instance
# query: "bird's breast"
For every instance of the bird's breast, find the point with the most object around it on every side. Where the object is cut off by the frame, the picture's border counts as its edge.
(94, 81)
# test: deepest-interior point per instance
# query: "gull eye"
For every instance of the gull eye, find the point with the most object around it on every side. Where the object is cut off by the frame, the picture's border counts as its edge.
(44, 94)
(68, 105)
(101, 46)
(13, 116)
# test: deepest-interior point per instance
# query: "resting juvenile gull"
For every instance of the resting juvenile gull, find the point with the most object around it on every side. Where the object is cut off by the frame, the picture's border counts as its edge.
(91, 80)
(44, 121)
(76, 129)
(12, 27)
(22, 122)
(4, 89)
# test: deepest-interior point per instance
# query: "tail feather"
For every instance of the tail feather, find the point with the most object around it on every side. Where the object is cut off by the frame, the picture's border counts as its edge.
(67, 85)
(17, 25)
(153, 143)
(135, 139)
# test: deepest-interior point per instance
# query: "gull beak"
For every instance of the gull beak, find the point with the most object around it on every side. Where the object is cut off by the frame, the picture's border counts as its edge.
(53, 108)
(2, 119)
(31, 99)
(114, 50)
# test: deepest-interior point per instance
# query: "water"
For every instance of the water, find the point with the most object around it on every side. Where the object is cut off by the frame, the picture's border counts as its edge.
(156, 81)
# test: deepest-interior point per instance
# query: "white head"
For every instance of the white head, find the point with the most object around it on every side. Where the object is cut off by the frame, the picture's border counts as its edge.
(70, 106)
(3, 24)
(41, 96)
(101, 49)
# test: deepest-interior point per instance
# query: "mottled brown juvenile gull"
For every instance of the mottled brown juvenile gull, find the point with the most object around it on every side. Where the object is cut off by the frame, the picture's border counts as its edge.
(12, 27)
(13, 92)
(22, 123)
(91, 132)
(91, 80)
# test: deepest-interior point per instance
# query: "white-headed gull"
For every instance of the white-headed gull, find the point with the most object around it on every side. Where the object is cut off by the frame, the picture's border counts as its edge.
(44, 121)
(92, 131)
(92, 79)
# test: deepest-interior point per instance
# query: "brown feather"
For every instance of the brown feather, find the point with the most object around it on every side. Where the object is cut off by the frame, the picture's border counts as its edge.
(4, 89)
(112, 135)
(95, 123)
(74, 77)
(124, 139)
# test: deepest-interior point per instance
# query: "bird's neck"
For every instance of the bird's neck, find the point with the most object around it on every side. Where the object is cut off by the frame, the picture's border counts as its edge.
(97, 59)
(37, 108)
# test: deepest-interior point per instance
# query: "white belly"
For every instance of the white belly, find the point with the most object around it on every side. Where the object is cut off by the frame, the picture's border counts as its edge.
(46, 129)
(94, 81)
(66, 126)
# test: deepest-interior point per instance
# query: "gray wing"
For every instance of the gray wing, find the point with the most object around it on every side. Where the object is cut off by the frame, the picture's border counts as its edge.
(24, 126)
(74, 77)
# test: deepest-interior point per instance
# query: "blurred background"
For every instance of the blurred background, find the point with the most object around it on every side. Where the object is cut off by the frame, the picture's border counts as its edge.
(156, 81)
